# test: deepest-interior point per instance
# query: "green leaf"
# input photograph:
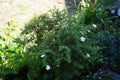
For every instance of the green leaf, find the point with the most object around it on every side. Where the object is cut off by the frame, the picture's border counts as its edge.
(1, 79)
(66, 51)
(2, 38)
(68, 55)
(0, 60)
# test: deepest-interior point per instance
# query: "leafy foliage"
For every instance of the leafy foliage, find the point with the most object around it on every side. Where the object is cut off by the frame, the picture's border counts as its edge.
(11, 49)
(66, 45)
(59, 46)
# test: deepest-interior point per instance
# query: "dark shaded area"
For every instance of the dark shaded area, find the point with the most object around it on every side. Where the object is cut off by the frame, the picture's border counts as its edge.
(72, 5)
(20, 75)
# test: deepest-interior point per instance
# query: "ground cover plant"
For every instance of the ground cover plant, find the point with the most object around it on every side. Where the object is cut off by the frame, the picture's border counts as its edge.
(61, 46)
(11, 51)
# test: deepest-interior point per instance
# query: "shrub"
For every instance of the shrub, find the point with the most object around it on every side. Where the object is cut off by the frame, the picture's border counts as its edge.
(63, 49)
(64, 46)
(11, 49)
(59, 46)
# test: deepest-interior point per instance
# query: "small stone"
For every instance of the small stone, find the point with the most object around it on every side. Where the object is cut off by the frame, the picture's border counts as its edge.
(118, 13)
(113, 11)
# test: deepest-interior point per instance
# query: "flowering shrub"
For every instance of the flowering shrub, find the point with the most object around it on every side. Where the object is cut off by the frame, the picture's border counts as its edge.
(63, 49)
(59, 46)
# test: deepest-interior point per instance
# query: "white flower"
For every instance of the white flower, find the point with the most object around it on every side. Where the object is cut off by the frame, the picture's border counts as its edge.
(88, 31)
(22, 38)
(118, 13)
(3, 58)
(100, 69)
(42, 56)
(100, 78)
(82, 39)
(47, 26)
(24, 49)
(113, 11)
(94, 25)
(47, 67)
(10, 41)
(99, 9)
(51, 17)
(88, 55)
(58, 22)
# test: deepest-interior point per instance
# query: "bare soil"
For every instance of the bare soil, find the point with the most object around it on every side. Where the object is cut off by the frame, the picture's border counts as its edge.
(23, 10)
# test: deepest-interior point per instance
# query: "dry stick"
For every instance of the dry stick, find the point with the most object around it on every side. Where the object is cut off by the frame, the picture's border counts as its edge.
(75, 3)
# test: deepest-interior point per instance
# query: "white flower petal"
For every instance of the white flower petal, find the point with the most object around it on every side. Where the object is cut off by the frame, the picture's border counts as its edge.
(94, 25)
(22, 38)
(3, 58)
(82, 39)
(42, 56)
(88, 55)
(47, 67)
(99, 9)
(47, 26)
(51, 17)
(100, 78)
(88, 31)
